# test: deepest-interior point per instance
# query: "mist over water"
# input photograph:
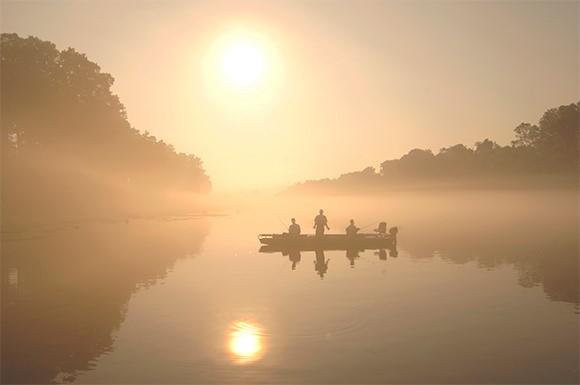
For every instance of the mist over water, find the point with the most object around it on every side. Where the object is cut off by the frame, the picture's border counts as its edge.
(169, 240)
(483, 289)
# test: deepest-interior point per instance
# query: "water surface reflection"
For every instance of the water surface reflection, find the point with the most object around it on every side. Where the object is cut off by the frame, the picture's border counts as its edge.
(246, 342)
(66, 288)
(478, 294)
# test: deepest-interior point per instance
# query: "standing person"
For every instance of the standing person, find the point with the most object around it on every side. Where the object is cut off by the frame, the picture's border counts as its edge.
(294, 228)
(320, 222)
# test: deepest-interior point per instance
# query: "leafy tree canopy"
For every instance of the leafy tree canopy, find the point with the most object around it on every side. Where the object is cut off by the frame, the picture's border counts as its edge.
(59, 105)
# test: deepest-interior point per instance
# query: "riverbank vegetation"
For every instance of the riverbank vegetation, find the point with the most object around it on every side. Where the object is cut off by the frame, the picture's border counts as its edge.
(67, 145)
(541, 155)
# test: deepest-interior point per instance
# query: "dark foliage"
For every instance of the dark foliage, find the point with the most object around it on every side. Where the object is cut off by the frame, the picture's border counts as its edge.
(543, 153)
(62, 127)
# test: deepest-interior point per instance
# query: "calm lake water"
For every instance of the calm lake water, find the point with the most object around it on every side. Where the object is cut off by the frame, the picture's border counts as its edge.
(483, 289)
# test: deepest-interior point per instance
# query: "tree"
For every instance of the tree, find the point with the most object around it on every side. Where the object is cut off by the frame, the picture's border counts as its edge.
(549, 147)
(486, 147)
(559, 136)
(58, 109)
(555, 139)
(526, 135)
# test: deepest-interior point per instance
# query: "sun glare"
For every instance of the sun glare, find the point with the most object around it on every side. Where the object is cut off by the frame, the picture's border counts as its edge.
(245, 342)
(243, 70)
(243, 63)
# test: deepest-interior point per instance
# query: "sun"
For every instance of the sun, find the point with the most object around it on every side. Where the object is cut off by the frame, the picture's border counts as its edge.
(243, 63)
(242, 69)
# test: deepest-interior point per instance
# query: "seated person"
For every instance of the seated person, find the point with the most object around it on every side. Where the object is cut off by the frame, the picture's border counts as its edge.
(352, 229)
(294, 228)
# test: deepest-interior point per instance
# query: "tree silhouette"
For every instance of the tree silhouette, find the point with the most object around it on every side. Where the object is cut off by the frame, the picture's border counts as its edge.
(555, 139)
(59, 116)
(538, 152)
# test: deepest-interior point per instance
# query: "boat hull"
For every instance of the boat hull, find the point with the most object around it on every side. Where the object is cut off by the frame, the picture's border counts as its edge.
(281, 242)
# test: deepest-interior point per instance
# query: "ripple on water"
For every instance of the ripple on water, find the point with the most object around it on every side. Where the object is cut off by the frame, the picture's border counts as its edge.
(356, 322)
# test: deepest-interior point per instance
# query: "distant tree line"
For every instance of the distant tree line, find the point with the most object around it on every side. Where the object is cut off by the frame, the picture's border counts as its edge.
(63, 129)
(540, 154)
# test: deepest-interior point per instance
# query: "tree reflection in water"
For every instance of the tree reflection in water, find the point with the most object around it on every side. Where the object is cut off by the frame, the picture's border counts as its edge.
(67, 288)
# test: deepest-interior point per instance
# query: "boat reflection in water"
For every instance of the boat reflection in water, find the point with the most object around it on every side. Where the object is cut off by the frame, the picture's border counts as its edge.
(292, 245)
(245, 342)
(321, 262)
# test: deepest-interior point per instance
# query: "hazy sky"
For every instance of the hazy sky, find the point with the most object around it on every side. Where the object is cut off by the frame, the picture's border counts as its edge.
(350, 83)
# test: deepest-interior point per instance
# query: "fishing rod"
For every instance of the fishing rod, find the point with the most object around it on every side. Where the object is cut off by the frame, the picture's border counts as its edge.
(284, 225)
(370, 224)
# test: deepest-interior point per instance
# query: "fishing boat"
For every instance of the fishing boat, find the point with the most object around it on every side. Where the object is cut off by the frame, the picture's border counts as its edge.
(307, 242)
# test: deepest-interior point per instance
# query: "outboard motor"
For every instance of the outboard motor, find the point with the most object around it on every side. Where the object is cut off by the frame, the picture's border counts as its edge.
(382, 229)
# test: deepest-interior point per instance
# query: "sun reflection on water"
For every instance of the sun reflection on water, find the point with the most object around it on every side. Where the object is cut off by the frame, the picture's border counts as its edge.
(245, 342)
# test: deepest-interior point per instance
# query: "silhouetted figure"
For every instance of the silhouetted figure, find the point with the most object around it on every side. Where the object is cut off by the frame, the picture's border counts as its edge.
(393, 231)
(352, 230)
(294, 228)
(295, 257)
(320, 223)
(352, 255)
(320, 264)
